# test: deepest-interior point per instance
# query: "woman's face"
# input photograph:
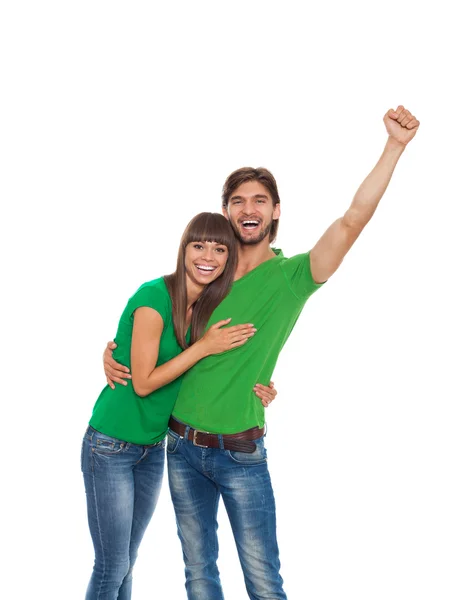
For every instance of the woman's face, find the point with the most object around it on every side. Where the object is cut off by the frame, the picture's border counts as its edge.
(205, 261)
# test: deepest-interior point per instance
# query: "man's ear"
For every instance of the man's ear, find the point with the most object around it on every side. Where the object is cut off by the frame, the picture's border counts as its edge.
(276, 214)
(225, 213)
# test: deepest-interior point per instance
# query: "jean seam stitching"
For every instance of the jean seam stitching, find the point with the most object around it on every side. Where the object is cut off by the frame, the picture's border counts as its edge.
(215, 539)
(100, 534)
(247, 463)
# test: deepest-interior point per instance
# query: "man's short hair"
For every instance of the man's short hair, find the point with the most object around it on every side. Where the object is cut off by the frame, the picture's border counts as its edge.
(263, 176)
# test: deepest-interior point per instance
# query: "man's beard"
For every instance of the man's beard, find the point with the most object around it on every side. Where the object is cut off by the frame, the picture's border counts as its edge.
(251, 241)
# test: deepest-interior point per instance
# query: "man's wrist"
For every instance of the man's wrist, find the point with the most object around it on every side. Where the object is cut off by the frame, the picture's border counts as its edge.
(394, 146)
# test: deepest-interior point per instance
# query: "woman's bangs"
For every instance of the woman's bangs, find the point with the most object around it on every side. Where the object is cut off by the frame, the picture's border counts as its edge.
(210, 227)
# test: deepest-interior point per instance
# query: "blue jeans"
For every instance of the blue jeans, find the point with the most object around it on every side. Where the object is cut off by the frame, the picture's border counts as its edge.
(197, 478)
(122, 483)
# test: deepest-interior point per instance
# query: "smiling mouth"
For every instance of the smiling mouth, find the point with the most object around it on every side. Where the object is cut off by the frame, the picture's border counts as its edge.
(205, 269)
(250, 224)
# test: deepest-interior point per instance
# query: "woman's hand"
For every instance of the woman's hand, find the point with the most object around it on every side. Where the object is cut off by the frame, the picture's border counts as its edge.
(219, 339)
(265, 393)
(113, 370)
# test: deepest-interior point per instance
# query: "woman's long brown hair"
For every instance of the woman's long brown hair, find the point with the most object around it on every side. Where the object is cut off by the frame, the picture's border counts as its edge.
(204, 227)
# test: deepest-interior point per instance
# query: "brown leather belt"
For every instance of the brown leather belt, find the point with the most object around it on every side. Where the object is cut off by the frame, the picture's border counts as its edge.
(240, 442)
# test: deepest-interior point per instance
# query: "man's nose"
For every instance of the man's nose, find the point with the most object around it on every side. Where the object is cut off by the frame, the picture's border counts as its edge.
(249, 208)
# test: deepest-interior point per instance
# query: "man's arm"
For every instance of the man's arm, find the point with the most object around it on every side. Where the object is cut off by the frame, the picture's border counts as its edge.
(334, 244)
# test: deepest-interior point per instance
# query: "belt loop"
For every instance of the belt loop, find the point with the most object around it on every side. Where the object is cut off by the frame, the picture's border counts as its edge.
(265, 432)
(220, 441)
(186, 432)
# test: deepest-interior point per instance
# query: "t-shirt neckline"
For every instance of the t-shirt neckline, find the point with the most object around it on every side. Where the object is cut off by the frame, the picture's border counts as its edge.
(278, 254)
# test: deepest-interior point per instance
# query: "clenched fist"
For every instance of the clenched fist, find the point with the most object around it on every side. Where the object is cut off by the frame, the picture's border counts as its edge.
(401, 124)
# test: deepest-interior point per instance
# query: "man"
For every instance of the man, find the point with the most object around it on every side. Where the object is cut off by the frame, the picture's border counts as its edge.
(217, 394)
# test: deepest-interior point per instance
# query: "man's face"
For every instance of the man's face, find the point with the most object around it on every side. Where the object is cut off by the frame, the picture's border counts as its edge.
(250, 211)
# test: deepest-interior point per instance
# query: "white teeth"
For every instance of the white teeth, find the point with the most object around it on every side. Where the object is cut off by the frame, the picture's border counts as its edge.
(250, 222)
(205, 268)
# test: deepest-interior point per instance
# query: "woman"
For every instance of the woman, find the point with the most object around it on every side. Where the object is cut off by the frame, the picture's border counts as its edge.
(123, 448)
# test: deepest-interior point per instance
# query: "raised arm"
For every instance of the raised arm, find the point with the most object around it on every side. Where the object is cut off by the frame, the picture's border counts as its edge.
(334, 244)
(146, 334)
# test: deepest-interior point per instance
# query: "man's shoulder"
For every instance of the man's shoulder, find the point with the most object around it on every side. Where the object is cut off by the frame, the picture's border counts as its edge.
(285, 263)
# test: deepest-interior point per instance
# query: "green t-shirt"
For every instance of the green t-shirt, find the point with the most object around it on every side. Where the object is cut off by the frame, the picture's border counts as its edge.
(121, 413)
(217, 393)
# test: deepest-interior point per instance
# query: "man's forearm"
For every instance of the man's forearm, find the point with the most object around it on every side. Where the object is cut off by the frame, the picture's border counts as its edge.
(373, 187)
(329, 251)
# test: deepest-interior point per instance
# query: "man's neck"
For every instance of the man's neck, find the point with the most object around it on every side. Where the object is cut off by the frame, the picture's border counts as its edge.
(250, 257)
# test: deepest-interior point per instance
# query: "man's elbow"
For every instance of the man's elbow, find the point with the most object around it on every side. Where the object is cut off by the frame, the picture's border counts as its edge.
(355, 220)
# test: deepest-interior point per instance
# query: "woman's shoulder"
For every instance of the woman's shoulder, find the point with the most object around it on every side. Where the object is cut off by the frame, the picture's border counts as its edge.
(154, 294)
(158, 286)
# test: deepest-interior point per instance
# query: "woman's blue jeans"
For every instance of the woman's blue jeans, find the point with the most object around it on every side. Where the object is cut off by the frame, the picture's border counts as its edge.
(122, 483)
(197, 478)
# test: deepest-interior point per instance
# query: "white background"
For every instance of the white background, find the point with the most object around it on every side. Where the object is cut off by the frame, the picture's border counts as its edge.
(120, 121)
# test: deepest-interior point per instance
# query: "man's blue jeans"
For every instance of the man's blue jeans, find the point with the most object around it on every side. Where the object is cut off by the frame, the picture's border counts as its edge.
(197, 478)
(122, 483)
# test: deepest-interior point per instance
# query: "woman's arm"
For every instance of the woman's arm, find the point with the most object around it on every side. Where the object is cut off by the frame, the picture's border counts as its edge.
(146, 335)
(115, 372)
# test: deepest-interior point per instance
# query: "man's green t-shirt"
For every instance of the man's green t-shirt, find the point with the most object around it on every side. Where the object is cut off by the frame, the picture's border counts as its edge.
(121, 413)
(217, 393)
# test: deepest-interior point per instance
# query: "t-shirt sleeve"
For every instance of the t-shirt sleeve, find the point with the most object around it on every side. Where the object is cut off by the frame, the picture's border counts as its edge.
(151, 297)
(297, 271)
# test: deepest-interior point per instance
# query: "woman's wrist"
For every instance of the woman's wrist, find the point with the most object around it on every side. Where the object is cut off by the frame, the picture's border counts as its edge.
(201, 348)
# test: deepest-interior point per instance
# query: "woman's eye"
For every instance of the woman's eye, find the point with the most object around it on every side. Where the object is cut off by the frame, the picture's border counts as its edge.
(222, 250)
(198, 246)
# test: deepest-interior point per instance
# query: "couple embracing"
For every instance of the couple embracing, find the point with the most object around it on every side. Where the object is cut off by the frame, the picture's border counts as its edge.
(201, 345)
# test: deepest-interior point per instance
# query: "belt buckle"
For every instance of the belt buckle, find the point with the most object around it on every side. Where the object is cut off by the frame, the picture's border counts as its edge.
(194, 439)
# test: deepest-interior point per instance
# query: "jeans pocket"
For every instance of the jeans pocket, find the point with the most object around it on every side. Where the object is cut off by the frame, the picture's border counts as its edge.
(172, 442)
(257, 457)
(106, 446)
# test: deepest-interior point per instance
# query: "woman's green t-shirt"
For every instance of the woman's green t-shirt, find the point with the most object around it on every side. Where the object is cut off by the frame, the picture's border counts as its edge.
(121, 413)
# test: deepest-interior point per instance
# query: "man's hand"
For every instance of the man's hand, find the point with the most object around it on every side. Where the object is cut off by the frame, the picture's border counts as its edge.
(401, 125)
(114, 371)
(265, 393)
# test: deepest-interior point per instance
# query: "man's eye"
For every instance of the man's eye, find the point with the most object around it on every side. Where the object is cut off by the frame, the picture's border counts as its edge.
(259, 201)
